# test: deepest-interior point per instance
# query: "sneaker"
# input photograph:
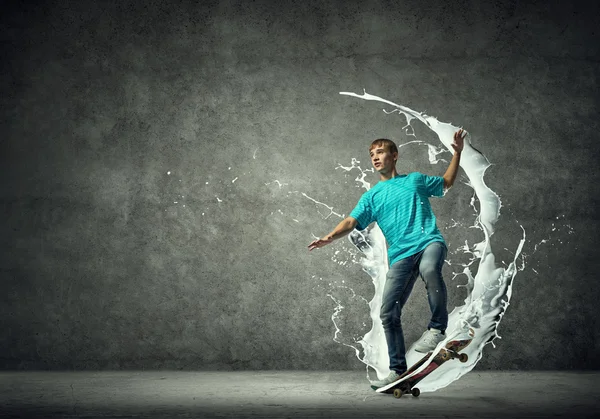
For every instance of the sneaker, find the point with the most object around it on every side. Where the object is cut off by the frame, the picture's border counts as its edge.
(393, 376)
(429, 340)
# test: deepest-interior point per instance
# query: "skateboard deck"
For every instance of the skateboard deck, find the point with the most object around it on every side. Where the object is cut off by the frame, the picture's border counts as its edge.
(417, 372)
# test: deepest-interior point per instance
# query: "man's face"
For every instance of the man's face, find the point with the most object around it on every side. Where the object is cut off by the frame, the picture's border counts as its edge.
(382, 160)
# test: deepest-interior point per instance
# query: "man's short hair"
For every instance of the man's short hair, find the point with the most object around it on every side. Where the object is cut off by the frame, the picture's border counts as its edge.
(388, 145)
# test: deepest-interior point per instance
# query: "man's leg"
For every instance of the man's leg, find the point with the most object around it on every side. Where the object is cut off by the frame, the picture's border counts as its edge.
(399, 282)
(430, 268)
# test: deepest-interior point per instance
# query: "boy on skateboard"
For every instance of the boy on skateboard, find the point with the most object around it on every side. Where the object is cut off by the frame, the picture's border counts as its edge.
(400, 205)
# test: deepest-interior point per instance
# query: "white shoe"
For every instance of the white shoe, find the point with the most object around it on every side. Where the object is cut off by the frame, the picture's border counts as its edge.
(393, 376)
(429, 340)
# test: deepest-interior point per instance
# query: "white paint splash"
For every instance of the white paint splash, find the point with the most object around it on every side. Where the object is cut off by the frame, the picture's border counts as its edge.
(330, 208)
(278, 183)
(489, 291)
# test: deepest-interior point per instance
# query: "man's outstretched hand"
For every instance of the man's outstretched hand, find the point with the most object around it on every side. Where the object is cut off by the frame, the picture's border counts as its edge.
(459, 140)
(319, 243)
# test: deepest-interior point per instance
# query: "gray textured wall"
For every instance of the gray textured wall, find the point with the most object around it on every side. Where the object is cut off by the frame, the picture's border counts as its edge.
(102, 269)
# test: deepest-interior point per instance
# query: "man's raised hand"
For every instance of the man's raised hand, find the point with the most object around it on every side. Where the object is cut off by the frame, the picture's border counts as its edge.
(459, 140)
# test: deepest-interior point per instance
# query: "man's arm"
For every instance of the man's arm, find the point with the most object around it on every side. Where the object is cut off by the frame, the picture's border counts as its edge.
(457, 145)
(343, 228)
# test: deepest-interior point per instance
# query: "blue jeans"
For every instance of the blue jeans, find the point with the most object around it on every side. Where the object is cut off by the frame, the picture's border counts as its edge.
(399, 283)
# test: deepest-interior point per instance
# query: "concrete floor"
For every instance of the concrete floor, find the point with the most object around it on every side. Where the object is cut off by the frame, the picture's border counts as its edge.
(174, 394)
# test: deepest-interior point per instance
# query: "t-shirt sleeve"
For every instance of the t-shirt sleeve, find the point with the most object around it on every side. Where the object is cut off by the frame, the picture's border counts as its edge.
(363, 213)
(434, 185)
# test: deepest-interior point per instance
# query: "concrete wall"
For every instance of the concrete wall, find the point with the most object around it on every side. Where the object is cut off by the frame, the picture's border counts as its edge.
(142, 141)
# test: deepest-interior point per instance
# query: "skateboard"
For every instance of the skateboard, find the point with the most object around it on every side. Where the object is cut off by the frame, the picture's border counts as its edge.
(407, 381)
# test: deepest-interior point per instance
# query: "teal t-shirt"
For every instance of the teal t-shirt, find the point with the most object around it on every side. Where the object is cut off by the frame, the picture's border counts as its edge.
(401, 208)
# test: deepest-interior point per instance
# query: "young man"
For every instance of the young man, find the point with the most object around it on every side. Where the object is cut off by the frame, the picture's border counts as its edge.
(400, 205)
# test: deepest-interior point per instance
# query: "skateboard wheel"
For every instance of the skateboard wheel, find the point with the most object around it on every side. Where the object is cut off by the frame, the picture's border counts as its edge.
(463, 357)
(445, 355)
(415, 392)
(398, 393)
